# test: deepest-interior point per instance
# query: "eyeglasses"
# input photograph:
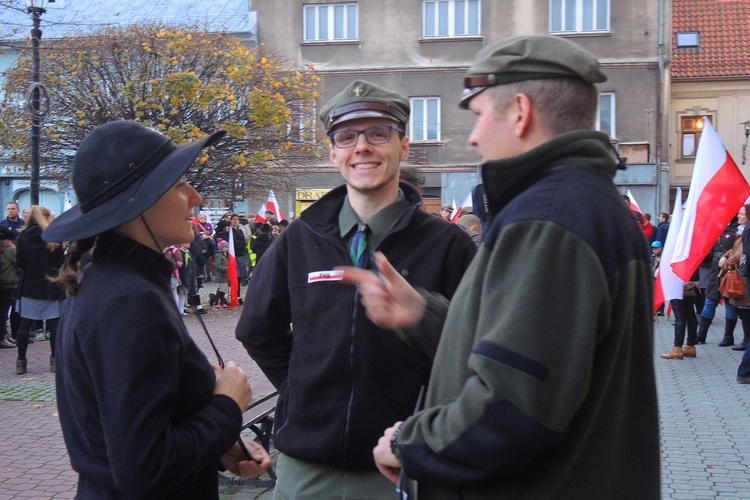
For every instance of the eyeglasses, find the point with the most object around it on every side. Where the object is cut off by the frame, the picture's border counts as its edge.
(375, 135)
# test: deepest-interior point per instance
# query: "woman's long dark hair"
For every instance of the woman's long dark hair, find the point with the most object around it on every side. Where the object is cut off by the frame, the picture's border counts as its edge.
(70, 272)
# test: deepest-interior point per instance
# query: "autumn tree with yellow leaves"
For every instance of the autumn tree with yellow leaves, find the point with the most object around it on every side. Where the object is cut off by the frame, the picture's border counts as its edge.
(183, 81)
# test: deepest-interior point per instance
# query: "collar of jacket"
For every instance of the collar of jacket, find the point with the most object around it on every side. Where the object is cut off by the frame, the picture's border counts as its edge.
(323, 215)
(506, 178)
(112, 246)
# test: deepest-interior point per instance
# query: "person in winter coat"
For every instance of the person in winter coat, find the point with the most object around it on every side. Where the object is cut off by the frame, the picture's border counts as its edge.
(530, 402)
(221, 264)
(8, 283)
(341, 379)
(143, 412)
(38, 297)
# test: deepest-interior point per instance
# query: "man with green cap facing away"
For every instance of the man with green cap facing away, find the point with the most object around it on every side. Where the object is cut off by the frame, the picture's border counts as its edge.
(543, 383)
(341, 379)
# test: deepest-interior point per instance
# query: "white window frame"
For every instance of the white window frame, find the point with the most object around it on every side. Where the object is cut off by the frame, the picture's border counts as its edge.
(561, 20)
(612, 113)
(455, 12)
(424, 119)
(329, 10)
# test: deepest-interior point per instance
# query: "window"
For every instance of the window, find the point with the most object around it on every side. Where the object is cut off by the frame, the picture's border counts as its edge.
(424, 124)
(605, 115)
(691, 128)
(450, 18)
(688, 39)
(337, 21)
(576, 16)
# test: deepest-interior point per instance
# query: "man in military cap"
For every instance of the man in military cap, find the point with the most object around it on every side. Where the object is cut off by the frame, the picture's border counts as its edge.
(341, 379)
(543, 382)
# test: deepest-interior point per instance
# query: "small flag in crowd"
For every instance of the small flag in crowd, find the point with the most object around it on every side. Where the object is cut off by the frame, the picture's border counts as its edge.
(458, 211)
(717, 191)
(272, 205)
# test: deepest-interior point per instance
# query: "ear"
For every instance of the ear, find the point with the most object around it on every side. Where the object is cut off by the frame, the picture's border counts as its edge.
(523, 116)
(404, 148)
(332, 153)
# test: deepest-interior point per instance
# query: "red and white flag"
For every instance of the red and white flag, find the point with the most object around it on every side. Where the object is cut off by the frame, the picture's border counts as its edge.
(260, 216)
(717, 191)
(668, 285)
(457, 212)
(633, 203)
(232, 272)
(274, 206)
(646, 227)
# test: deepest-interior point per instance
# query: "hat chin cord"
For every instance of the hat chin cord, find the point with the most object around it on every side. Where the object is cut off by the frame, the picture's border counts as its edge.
(148, 228)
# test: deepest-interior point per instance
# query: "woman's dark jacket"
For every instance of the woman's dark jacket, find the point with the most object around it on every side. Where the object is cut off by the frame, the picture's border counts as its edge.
(37, 263)
(134, 392)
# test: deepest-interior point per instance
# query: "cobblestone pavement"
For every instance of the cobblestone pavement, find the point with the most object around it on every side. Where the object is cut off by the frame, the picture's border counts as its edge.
(703, 413)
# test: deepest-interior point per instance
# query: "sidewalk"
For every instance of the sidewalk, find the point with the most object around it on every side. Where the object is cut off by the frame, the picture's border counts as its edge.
(703, 413)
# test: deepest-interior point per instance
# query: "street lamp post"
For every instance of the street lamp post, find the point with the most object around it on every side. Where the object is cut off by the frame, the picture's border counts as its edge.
(746, 126)
(36, 94)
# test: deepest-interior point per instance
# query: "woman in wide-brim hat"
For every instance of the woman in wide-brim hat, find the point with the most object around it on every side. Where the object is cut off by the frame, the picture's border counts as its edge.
(143, 412)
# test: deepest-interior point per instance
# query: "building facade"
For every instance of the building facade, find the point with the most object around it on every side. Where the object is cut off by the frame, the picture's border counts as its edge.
(422, 48)
(710, 77)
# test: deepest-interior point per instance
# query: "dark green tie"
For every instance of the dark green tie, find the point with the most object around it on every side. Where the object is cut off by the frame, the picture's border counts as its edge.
(358, 248)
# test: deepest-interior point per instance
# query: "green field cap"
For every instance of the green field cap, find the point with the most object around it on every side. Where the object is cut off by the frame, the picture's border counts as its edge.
(361, 99)
(528, 58)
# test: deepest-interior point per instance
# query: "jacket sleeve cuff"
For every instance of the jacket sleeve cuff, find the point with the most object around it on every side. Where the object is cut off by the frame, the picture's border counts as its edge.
(424, 336)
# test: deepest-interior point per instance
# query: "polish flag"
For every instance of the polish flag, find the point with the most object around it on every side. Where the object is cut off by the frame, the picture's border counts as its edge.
(634, 204)
(457, 213)
(232, 272)
(668, 285)
(717, 191)
(274, 206)
(648, 230)
(261, 215)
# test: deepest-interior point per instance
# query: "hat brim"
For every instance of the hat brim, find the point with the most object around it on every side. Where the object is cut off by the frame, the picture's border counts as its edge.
(74, 224)
(365, 113)
(468, 94)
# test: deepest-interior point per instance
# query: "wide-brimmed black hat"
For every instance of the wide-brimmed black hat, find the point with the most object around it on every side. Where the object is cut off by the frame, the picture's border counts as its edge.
(120, 170)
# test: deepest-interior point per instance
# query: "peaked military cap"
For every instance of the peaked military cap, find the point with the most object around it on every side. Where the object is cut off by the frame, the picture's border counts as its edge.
(361, 99)
(529, 58)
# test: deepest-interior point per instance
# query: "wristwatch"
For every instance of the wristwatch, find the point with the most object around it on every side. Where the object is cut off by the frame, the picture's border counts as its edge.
(394, 441)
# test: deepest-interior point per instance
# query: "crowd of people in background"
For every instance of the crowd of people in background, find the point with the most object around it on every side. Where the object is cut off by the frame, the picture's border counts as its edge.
(30, 303)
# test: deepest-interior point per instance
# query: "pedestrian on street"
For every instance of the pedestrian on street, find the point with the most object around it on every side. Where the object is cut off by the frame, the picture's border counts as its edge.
(8, 283)
(543, 383)
(143, 412)
(38, 297)
(341, 379)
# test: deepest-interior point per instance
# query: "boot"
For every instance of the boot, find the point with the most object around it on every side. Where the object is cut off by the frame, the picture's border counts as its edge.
(222, 301)
(740, 347)
(703, 330)
(728, 333)
(689, 351)
(745, 338)
(20, 366)
(212, 299)
(674, 353)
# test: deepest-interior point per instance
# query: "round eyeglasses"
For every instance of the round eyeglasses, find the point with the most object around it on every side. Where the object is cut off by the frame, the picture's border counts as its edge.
(375, 135)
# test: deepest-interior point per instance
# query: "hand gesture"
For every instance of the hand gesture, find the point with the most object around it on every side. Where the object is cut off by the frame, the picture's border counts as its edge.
(389, 300)
(237, 463)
